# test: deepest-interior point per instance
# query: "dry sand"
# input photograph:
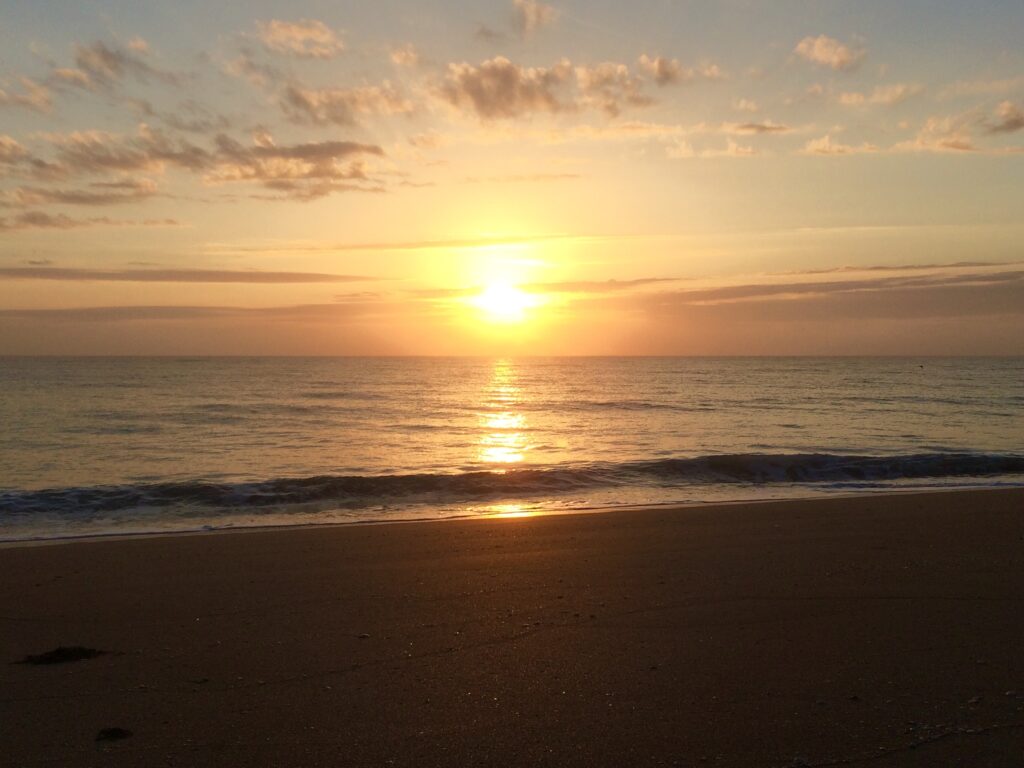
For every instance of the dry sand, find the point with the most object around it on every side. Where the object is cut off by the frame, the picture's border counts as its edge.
(882, 630)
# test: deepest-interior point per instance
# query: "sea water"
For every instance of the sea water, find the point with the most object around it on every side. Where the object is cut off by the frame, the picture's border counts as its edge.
(117, 445)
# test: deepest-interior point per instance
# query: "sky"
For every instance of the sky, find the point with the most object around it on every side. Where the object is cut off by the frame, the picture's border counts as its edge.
(512, 177)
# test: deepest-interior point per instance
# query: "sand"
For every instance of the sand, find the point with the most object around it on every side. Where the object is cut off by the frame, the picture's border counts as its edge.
(878, 630)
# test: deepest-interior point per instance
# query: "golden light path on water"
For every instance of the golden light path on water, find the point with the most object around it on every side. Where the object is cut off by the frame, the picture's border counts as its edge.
(503, 440)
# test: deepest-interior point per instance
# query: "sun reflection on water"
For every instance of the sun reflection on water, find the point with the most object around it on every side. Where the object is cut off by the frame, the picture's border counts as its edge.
(502, 427)
(510, 511)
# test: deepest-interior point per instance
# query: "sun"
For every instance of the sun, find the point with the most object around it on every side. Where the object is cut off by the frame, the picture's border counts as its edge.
(505, 303)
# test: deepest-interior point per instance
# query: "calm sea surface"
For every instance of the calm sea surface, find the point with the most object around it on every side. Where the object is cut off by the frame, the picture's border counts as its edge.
(117, 445)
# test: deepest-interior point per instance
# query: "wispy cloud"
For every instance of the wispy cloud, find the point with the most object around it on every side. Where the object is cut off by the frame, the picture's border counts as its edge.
(95, 194)
(487, 34)
(248, 66)
(183, 313)
(407, 245)
(43, 220)
(610, 87)
(943, 295)
(826, 146)
(884, 95)
(666, 71)
(597, 286)
(104, 65)
(294, 171)
(681, 149)
(151, 149)
(942, 134)
(342, 106)
(766, 127)
(982, 87)
(531, 16)
(1009, 118)
(516, 178)
(33, 95)
(174, 275)
(188, 116)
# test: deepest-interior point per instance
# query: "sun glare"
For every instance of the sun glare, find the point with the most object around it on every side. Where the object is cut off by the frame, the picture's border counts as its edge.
(505, 303)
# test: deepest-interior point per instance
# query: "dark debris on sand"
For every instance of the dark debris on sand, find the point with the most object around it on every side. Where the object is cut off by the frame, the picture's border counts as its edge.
(113, 734)
(62, 655)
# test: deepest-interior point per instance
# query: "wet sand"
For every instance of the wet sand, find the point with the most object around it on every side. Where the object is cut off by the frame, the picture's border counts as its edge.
(881, 631)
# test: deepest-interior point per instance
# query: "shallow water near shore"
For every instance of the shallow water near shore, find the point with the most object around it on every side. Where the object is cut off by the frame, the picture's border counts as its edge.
(118, 445)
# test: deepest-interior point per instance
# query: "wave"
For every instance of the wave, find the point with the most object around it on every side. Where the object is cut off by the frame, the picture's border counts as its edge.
(359, 491)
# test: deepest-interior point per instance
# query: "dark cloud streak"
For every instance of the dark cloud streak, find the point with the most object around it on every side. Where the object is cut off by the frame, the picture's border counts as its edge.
(174, 275)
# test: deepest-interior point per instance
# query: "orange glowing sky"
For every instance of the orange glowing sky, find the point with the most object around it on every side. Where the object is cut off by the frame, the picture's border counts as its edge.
(512, 177)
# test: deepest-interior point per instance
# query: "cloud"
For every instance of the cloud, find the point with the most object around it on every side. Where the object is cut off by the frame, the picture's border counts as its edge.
(745, 105)
(189, 116)
(305, 38)
(942, 134)
(597, 286)
(981, 87)
(940, 295)
(497, 88)
(297, 171)
(34, 96)
(580, 287)
(99, 152)
(426, 140)
(829, 52)
(405, 56)
(826, 146)
(669, 71)
(133, 313)
(342, 106)
(1009, 118)
(664, 71)
(682, 150)
(11, 150)
(42, 220)
(261, 74)
(174, 275)
(16, 159)
(885, 95)
(71, 76)
(488, 35)
(96, 194)
(532, 16)
(407, 245)
(301, 171)
(522, 177)
(766, 127)
(610, 87)
(958, 265)
(927, 291)
(100, 64)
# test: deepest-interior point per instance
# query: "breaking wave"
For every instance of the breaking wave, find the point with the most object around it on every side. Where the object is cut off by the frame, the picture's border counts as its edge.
(361, 491)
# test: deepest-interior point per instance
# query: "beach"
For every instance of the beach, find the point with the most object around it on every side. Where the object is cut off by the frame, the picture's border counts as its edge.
(880, 630)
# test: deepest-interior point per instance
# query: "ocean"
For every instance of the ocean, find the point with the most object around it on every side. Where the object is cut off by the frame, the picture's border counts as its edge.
(96, 446)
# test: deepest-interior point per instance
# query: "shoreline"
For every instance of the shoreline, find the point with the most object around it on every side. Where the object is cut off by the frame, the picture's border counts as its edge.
(668, 506)
(881, 629)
